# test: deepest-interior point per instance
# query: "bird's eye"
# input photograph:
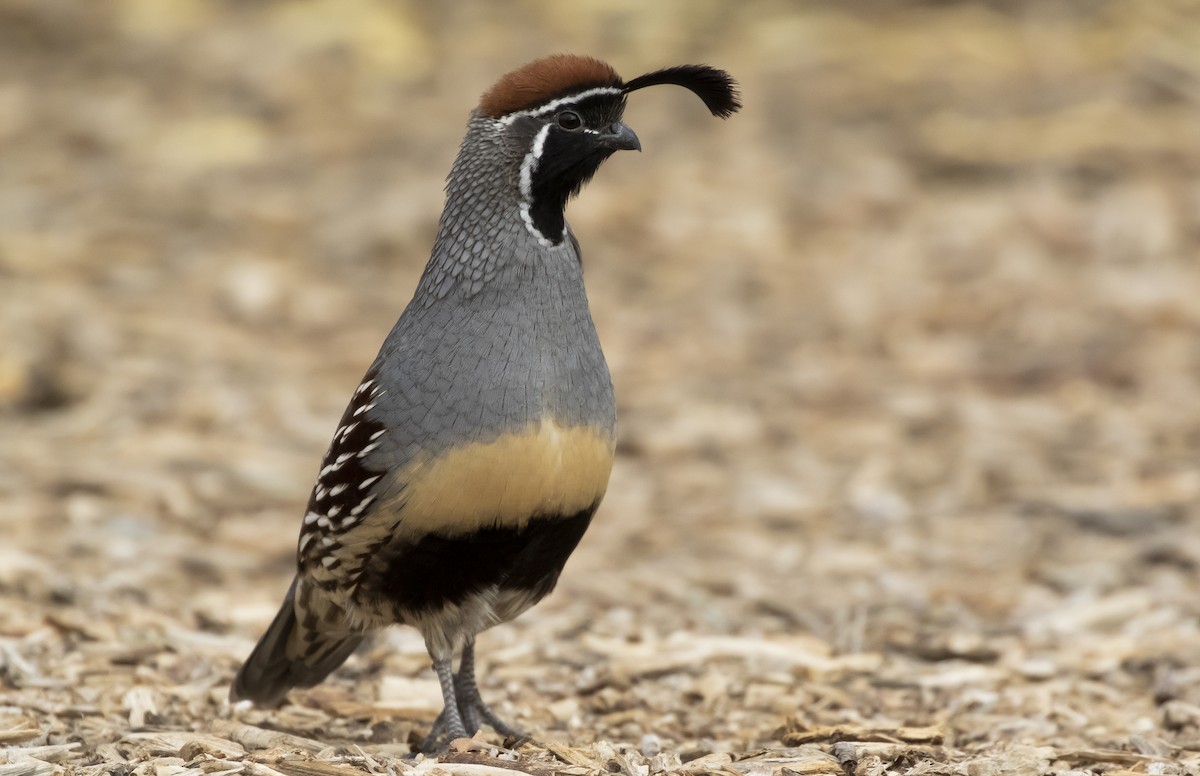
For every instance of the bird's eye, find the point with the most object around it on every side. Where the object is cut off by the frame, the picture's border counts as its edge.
(569, 119)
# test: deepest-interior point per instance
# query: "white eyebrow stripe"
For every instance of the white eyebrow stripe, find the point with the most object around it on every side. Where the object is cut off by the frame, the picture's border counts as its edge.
(553, 104)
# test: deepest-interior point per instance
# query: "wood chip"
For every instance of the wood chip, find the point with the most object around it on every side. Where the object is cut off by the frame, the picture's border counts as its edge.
(29, 767)
(569, 755)
(19, 735)
(300, 767)
(809, 761)
(1106, 756)
(481, 758)
(185, 745)
(795, 735)
(54, 753)
(434, 767)
(256, 738)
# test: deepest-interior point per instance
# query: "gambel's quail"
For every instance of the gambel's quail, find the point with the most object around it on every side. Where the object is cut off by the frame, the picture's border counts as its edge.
(477, 447)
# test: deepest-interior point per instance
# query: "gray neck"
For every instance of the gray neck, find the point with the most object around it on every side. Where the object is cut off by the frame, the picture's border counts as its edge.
(499, 332)
(481, 232)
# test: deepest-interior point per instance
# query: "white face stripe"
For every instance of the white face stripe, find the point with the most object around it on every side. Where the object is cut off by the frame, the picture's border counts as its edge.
(555, 104)
(530, 163)
(527, 217)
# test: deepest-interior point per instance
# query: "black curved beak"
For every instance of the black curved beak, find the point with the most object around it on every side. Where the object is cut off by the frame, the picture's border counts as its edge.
(621, 139)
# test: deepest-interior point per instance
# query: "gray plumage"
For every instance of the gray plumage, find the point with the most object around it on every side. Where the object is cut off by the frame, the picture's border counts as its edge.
(497, 336)
(476, 449)
(499, 331)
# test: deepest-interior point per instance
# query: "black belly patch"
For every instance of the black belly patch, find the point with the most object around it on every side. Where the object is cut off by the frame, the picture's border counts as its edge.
(436, 570)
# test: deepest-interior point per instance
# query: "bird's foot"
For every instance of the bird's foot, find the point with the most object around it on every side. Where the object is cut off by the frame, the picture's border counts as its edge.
(474, 713)
(479, 712)
(464, 711)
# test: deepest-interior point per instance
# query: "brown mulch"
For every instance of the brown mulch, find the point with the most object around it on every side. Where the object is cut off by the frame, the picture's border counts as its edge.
(907, 355)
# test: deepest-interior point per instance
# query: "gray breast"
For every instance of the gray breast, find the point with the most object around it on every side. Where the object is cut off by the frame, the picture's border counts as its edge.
(489, 346)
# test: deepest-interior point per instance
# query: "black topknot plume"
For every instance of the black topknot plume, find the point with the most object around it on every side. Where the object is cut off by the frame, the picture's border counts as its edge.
(715, 87)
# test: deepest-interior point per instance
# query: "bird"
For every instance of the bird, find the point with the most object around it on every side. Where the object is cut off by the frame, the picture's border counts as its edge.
(475, 450)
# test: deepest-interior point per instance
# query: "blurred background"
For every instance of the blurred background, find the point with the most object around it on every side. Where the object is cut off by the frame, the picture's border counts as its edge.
(907, 356)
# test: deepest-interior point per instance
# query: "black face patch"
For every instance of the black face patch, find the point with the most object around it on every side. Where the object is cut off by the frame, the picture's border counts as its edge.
(568, 161)
(574, 145)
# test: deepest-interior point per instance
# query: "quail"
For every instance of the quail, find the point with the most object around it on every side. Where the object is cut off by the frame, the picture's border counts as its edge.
(474, 452)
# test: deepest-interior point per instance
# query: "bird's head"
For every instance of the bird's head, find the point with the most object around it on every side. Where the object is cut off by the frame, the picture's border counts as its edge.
(560, 117)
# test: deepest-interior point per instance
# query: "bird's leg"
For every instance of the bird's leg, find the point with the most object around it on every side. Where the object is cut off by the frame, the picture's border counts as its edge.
(429, 744)
(470, 701)
(464, 679)
(449, 722)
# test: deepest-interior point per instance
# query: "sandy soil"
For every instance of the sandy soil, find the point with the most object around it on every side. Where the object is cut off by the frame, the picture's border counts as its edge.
(907, 360)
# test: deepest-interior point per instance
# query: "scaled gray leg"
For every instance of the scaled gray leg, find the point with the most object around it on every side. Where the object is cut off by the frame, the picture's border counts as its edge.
(449, 723)
(469, 698)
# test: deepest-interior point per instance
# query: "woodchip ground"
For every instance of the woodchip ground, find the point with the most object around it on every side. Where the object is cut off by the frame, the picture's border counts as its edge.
(907, 356)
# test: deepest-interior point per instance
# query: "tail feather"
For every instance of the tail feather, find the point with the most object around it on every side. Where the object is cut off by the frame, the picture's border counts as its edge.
(290, 654)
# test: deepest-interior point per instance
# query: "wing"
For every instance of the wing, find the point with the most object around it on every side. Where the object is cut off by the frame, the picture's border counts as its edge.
(343, 523)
